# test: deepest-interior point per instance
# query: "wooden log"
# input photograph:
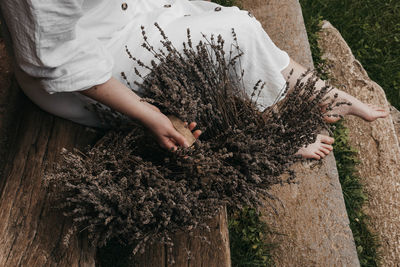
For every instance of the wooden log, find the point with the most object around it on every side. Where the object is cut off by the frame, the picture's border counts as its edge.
(8, 106)
(30, 140)
(31, 231)
(198, 248)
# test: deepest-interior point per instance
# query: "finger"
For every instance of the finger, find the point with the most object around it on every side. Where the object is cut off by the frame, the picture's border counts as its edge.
(168, 144)
(192, 125)
(178, 138)
(197, 134)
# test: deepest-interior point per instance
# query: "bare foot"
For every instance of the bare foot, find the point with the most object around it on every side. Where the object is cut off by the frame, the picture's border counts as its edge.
(319, 149)
(365, 111)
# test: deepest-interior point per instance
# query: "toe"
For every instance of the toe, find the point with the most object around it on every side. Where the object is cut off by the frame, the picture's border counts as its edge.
(326, 139)
(315, 156)
(384, 113)
(331, 118)
(325, 151)
(377, 108)
(329, 147)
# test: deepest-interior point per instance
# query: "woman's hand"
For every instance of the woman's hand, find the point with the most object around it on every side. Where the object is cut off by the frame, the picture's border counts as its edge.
(119, 97)
(165, 133)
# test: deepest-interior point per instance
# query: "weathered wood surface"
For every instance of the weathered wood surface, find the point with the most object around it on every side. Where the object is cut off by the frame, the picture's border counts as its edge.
(31, 231)
(199, 248)
(8, 100)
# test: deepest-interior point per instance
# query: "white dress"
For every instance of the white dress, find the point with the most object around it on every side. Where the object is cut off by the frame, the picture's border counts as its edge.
(64, 46)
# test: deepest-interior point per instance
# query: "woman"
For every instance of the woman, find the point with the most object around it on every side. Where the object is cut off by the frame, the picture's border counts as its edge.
(70, 53)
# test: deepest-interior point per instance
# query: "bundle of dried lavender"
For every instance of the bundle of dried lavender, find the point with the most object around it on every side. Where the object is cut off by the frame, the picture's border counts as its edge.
(126, 187)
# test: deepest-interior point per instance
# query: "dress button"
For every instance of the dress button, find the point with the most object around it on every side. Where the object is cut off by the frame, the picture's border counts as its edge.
(124, 6)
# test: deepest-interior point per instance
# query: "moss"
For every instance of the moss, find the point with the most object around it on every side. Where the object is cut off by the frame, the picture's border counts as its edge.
(346, 161)
(249, 242)
(354, 197)
(313, 26)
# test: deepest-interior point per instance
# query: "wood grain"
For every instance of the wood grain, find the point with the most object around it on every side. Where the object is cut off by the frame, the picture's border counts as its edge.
(31, 231)
(195, 249)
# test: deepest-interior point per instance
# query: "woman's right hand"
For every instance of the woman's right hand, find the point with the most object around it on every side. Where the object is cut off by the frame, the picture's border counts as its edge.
(163, 130)
(119, 97)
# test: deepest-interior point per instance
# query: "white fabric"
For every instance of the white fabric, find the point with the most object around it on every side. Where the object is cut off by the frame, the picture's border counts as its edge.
(72, 45)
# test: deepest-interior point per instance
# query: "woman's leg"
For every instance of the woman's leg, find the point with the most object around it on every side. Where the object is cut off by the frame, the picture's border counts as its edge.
(322, 146)
(357, 108)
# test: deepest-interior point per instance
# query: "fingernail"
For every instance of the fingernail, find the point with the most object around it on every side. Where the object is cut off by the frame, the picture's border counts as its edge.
(186, 144)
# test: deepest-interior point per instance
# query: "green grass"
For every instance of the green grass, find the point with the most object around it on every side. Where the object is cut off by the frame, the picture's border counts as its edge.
(346, 161)
(225, 2)
(372, 30)
(354, 197)
(248, 237)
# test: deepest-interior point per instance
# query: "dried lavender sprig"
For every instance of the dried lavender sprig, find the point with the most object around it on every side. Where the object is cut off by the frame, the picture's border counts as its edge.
(128, 188)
